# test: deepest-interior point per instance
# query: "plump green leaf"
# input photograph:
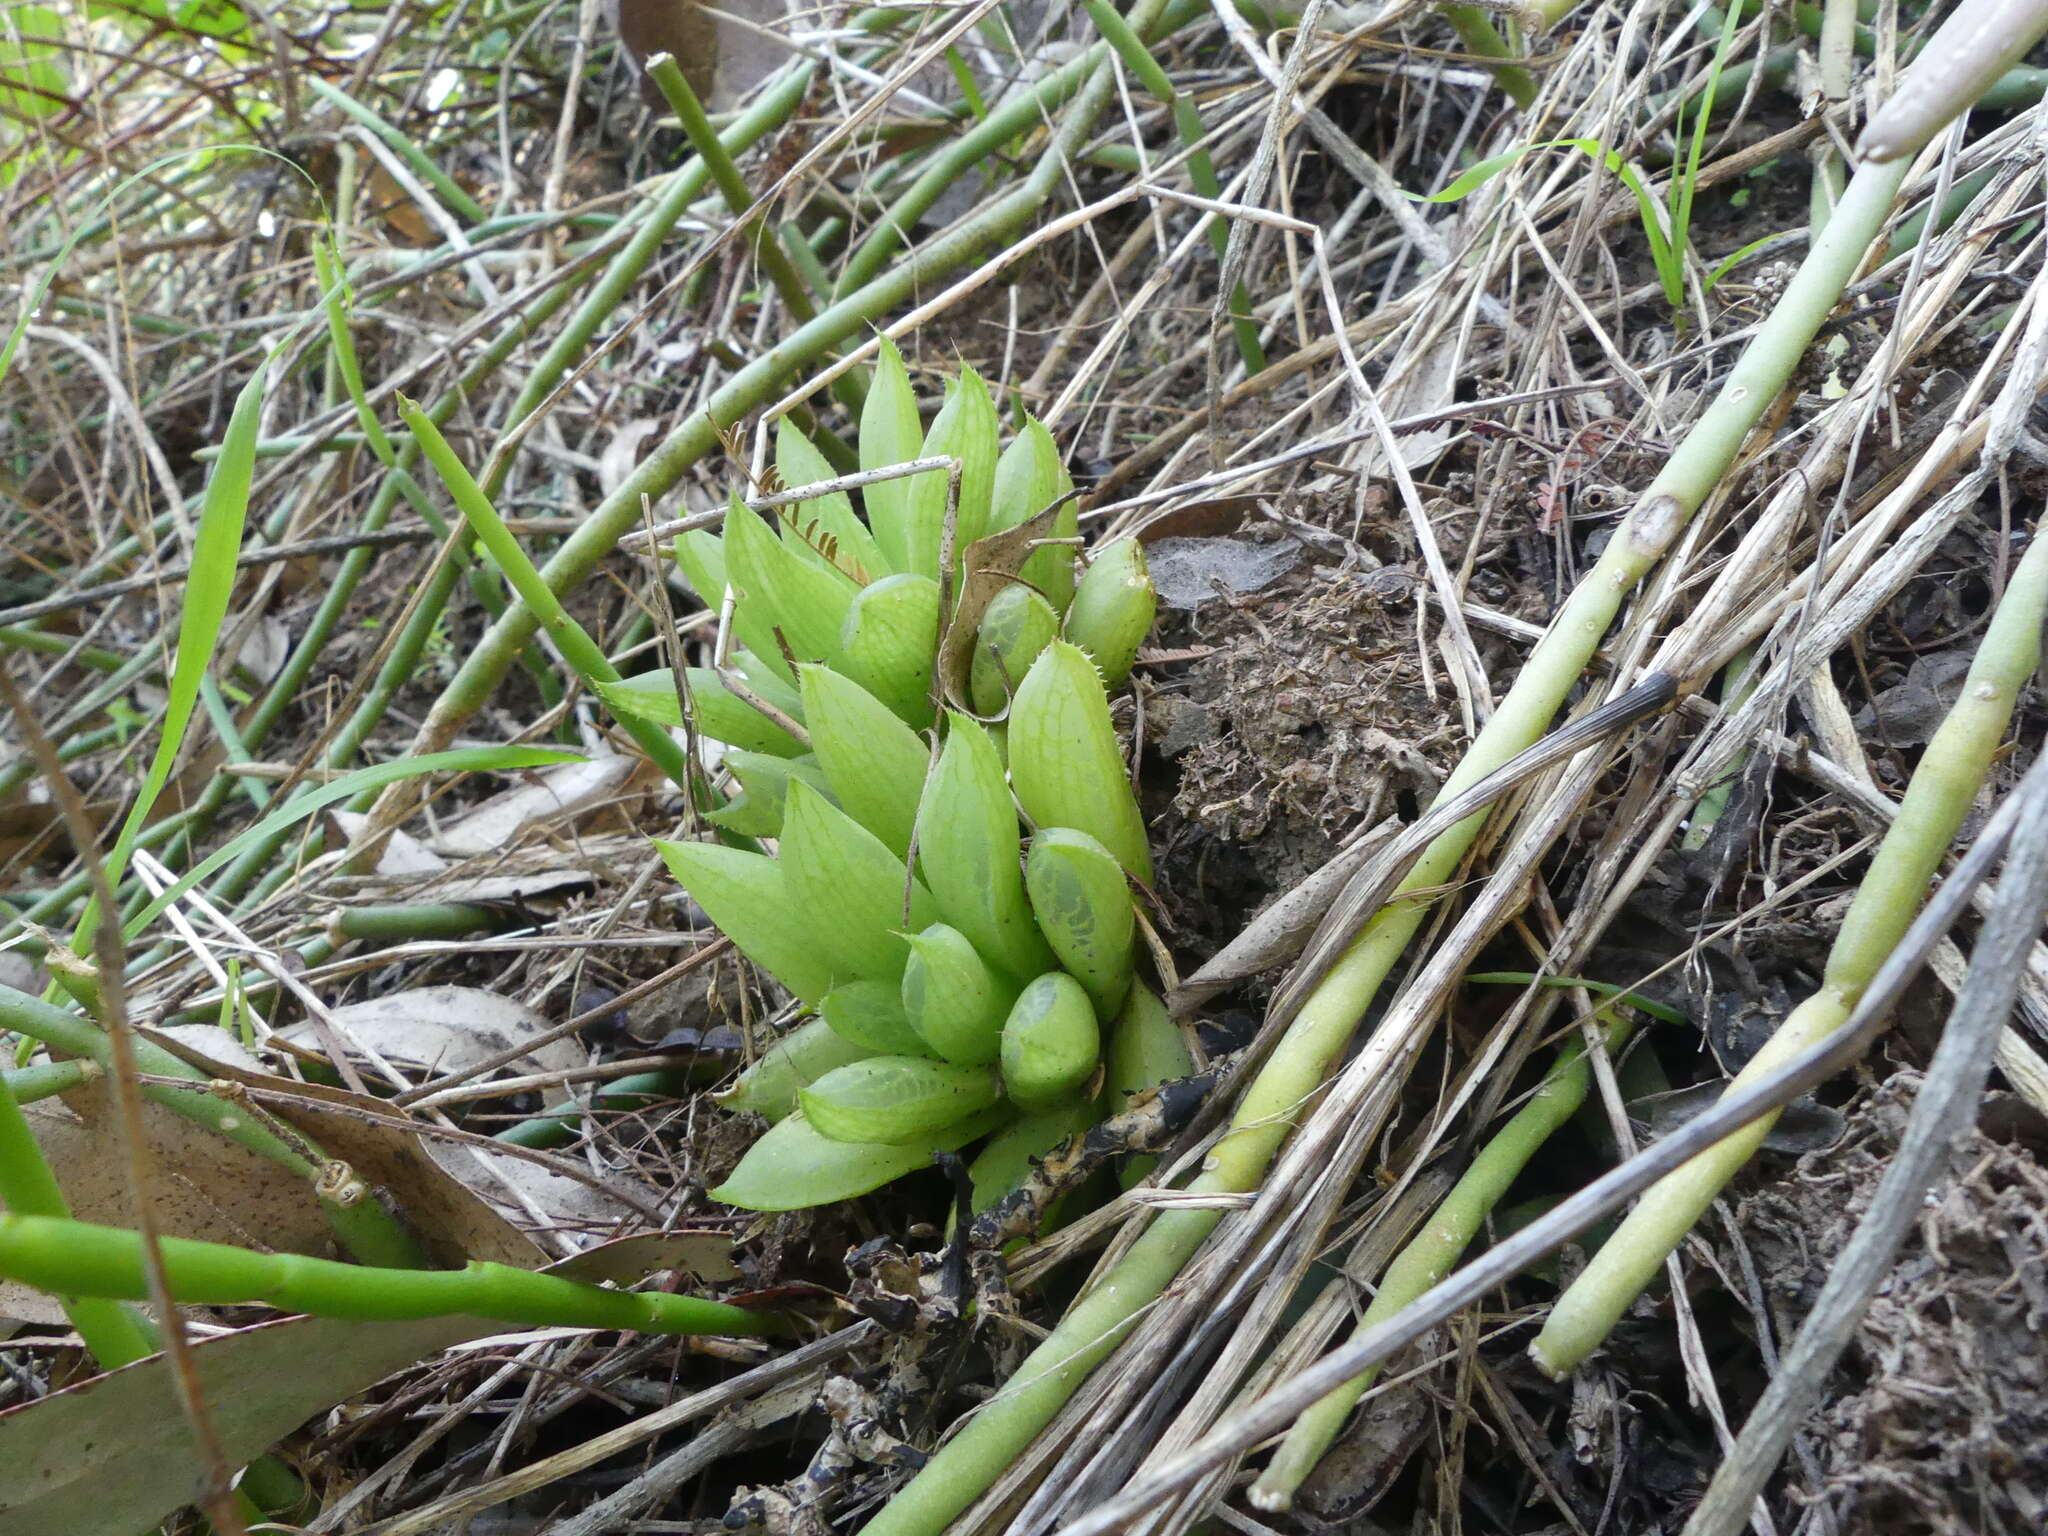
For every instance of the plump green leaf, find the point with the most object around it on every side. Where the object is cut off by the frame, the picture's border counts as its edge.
(803, 600)
(648, 696)
(967, 840)
(804, 1055)
(1006, 1162)
(1015, 627)
(870, 1013)
(717, 711)
(892, 433)
(889, 643)
(752, 903)
(874, 763)
(701, 556)
(1084, 909)
(825, 529)
(848, 891)
(1146, 1046)
(1113, 609)
(894, 1099)
(793, 1167)
(756, 811)
(1029, 478)
(965, 429)
(1065, 761)
(1051, 1043)
(953, 1001)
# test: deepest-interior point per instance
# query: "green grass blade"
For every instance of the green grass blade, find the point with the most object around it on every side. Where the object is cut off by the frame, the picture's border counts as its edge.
(464, 760)
(217, 544)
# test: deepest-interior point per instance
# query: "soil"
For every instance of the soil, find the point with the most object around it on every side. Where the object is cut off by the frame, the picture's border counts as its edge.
(1938, 1417)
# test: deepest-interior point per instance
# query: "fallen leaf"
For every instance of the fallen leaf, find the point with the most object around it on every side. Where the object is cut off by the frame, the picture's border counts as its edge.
(434, 1030)
(550, 794)
(114, 1453)
(403, 853)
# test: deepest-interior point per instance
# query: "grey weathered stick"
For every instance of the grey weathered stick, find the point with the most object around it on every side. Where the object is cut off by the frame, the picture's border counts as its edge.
(1947, 1103)
(1271, 1414)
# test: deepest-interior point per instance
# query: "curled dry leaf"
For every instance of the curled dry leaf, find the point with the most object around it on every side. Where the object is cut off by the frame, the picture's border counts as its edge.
(385, 1149)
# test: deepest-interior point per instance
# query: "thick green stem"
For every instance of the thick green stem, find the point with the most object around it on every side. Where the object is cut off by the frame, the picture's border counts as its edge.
(535, 596)
(1475, 29)
(358, 1219)
(1944, 786)
(1298, 1067)
(43, 1079)
(663, 70)
(641, 1090)
(111, 1332)
(392, 923)
(1428, 1257)
(81, 1258)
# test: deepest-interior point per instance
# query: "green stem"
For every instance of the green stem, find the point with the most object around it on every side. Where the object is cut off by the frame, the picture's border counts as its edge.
(395, 923)
(535, 596)
(1475, 29)
(1187, 122)
(358, 1219)
(44, 1079)
(1022, 112)
(458, 201)
(1429, 1256)
(113, 1333)
(664, 72)
(637, 1091)
(1943, 788)
(1299, 1065)
(80, 1257)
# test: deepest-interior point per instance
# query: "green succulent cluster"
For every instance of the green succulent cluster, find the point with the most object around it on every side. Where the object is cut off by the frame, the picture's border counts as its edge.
(968, 980)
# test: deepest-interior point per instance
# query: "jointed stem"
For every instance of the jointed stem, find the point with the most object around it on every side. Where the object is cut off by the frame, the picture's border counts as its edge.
(83, 1259)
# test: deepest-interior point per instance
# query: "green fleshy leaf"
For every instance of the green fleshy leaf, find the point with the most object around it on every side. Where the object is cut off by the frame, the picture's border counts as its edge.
(967, 840)
(824, 530)
(1051, 1043)
(1084, 909)
(892, 433)
(769, 1087)
(756, 811)
(965, 429)
(746, 895)
(847, 890)
(870, 1014)
(894, 1099)
(874, 763)
(793, 1167)
(889, 642)
(1065, 761)
(953, 1001)
(805, 602)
